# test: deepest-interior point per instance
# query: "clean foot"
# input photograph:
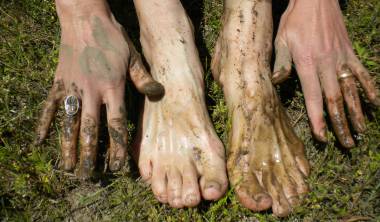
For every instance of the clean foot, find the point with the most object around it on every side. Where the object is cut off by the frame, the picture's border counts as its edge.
(178, 151)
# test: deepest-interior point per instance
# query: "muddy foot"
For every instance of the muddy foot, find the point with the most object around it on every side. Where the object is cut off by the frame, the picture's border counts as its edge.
(178, 151)
(266, 161)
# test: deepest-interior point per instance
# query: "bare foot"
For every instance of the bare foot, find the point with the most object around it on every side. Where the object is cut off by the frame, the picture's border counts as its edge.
(313, 34)
(266, 161)
(178, 150)
(94, 58)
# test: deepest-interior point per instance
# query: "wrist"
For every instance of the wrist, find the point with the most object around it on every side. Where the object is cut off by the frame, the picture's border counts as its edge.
(313, 2)
(72, 9)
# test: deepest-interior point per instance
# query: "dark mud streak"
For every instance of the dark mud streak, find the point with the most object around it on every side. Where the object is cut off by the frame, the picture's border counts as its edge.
(89, 136)
(118, 131)
(68, 127)
(339, 121)
(55, 95)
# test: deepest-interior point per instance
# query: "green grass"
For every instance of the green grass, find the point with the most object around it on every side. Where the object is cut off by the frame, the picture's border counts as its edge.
(345, 185)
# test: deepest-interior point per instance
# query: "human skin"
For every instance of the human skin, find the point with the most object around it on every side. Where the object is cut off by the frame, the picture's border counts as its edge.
(313, 35)
(266, 161)
(177, 149)
(94, 60)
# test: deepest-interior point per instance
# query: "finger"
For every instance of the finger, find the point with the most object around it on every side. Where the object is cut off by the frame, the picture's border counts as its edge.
(333, 94)
(117, 129)
(69, 138)
(313, 99)
(143, 81)
(88, 138)
(366, 81)
(49, 110)
(352, 99)
(283, 63)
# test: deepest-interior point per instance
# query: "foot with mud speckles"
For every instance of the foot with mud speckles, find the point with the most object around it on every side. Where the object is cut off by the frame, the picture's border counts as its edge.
(266, 161)
(177, 149)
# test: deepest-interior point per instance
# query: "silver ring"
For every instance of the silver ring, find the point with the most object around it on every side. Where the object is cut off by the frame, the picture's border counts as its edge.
(71, 105)
(345, 75)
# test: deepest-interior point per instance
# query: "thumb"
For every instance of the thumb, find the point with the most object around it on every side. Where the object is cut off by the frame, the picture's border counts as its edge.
(143, 81)
(283, 63)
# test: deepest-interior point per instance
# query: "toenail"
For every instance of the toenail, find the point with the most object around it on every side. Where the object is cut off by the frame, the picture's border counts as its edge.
(191, 199)
(177, 202)
(212, 185)
(162, 198)
(294, 201)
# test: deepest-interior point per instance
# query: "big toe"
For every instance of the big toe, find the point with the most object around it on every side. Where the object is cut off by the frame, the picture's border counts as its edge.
(280, 206)
(213, 189)
(255, 202)
(213, 183)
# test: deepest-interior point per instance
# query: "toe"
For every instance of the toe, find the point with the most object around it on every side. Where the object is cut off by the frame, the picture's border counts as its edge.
(190, 190)
(174, 188)
(281, 206)
(287, 183)
(256, 202)
(159, 184)
(247, 187)
(145, 168)
(214, 178)
(213, 183)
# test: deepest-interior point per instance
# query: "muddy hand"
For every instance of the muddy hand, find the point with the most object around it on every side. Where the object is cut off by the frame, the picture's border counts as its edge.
(312, 34)
(95, 57)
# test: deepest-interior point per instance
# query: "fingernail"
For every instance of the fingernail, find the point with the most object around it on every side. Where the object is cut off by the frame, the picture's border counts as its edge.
(321, 135)
(376, 101)
(38, 140)
(348, 142)
(116, 165)
(275, 77)
(68, 165)
(154, 89)
(360, 127)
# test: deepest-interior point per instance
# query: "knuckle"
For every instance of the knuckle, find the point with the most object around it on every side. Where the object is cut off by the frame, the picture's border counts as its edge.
(335, 100)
